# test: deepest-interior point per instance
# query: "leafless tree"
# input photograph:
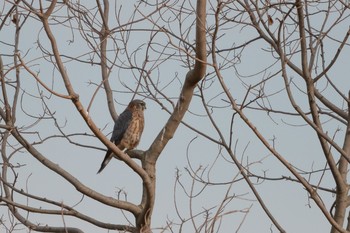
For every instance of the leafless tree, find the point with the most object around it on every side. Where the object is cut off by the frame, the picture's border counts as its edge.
(269, 107)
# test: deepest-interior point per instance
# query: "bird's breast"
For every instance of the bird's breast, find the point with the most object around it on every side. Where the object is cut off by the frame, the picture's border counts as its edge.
(133, 133)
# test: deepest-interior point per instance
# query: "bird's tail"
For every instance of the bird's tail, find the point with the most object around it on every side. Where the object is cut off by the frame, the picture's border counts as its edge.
(105, 161)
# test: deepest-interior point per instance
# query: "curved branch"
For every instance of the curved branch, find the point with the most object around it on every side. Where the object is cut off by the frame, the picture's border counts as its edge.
(192, 78)
(44, 228)
(65, 209)
(72, 180)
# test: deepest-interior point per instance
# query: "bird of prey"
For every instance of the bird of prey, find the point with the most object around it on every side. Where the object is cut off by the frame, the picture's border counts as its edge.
(127, 129)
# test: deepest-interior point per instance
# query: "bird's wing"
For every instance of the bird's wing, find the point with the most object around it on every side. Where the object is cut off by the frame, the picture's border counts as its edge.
(120, 126)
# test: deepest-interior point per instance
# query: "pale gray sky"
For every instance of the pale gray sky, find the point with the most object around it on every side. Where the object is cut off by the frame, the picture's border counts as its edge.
(287, 201)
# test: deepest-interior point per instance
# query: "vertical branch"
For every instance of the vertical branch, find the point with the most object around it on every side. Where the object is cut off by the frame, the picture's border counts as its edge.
(304, 61)
(307, 186)
(341, 201)
(104, 33)
(168, 131)
(312, 103)
(4, 96)
(340, 179)
(15, 58)
(192, 78)
(201, 52)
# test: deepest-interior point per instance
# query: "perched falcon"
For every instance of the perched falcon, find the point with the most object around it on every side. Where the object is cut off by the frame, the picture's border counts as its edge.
(127, 129)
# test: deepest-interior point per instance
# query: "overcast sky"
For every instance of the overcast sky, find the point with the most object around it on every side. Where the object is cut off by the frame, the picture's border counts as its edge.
(287, 201)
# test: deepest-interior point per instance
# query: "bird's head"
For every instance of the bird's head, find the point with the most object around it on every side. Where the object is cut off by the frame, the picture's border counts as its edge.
(137, 105)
